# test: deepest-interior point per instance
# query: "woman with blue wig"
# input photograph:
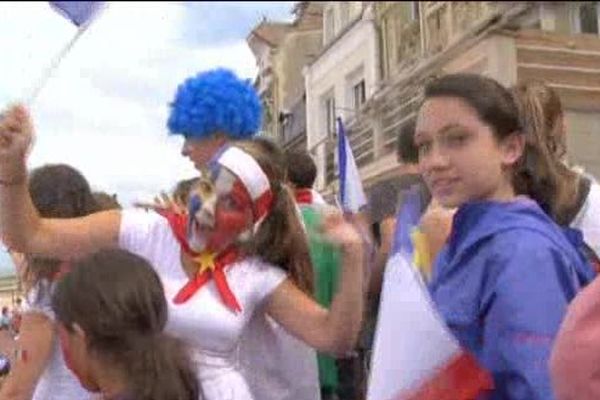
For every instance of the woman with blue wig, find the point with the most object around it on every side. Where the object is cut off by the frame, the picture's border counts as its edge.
(238, 252)
(211, 109)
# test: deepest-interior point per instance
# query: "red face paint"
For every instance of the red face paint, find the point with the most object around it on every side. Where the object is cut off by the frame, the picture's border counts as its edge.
(63, 336)
(233, 215)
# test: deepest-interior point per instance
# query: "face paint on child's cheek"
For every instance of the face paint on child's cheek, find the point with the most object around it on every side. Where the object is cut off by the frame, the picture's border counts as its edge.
(233, 216)
(65, 346)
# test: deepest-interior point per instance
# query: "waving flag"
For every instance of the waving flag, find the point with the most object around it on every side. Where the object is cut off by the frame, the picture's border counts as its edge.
(352, 195)
(415, 356)
(78, 12)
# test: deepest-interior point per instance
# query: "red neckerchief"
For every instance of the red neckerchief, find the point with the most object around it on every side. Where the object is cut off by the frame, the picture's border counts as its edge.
(215, 270)
(303, 196)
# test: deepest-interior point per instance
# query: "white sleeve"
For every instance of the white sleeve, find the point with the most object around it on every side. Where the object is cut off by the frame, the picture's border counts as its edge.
(39, 299)
(140, 230)
(270, 277)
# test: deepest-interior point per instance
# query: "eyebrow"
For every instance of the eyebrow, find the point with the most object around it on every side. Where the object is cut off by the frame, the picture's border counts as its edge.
(444, 129)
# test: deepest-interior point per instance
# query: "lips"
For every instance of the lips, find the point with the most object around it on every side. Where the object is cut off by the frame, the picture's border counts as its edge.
(443, 185)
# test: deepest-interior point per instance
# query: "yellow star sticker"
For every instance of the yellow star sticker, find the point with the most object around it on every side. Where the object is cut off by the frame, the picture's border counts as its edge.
(205, 261)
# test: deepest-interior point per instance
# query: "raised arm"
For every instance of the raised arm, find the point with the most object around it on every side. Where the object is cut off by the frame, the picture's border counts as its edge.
(21, 227)
(335, 330)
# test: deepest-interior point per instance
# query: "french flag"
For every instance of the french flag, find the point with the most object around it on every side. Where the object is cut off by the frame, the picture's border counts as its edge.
(415, 356)
(352, 195)
(78, 12)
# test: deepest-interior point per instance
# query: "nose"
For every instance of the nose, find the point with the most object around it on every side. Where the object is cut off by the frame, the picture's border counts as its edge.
(435, 159)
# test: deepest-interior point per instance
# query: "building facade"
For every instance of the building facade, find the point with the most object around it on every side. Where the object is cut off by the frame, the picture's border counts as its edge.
(339, 82)
(376, 58)
(281, 60)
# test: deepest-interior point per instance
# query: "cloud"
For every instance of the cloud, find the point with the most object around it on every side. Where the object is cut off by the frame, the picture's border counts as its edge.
(104, 109)
(228, 22)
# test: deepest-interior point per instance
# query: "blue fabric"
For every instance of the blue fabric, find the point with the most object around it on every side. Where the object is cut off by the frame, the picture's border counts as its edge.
(78, 12)
(407, 219)
(215, 101)
(341, 148)
(502, 283)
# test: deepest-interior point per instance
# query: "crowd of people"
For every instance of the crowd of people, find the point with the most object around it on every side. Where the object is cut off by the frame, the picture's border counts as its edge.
(245, 284)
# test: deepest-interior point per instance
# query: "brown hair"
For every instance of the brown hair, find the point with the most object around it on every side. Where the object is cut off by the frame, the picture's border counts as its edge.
(301, 169)
(57, 191)
(106, 201)
(181, 193)
(281, 239)
(119, 302)
(492, 101)
(542, 175)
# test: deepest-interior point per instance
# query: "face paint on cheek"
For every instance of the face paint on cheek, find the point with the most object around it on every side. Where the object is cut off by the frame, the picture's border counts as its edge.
(232, 219)
(65, 345)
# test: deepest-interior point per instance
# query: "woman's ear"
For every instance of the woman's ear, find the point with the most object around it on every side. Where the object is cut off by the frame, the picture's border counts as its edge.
(513, 147)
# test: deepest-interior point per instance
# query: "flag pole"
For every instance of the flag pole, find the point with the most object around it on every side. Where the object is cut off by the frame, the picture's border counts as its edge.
(47, 73)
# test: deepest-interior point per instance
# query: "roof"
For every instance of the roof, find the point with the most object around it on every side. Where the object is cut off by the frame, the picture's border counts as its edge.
(272, 33)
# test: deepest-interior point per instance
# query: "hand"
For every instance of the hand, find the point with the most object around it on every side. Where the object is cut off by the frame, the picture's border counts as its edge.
(16, 134)
(342, 232)
(164, 202)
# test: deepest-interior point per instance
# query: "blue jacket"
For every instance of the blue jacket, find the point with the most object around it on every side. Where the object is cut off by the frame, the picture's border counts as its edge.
(502, 283)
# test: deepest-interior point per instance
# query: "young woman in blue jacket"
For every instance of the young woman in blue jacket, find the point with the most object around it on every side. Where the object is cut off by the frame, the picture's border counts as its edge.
(504, 279)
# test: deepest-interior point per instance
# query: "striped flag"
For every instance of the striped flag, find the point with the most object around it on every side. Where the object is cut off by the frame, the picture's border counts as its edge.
(415, 356)
(78, 12)
(352, 195)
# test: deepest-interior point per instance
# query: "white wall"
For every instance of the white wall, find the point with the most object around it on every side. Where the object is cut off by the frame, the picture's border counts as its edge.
(356, 49)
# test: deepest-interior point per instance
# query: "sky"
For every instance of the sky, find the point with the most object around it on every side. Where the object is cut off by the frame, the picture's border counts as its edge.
(104, 109)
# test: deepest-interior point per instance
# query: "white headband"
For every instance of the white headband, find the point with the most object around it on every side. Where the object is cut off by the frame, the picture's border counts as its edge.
(245, 167)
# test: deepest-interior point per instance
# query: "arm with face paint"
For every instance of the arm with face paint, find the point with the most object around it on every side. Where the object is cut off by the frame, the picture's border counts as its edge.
(21, 226)
(335, 330)
(33, 351)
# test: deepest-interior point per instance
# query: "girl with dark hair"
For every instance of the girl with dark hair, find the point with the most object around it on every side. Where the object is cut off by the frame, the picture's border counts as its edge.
(39, 371)
(111, 312)
(241, 251)
(507, 273)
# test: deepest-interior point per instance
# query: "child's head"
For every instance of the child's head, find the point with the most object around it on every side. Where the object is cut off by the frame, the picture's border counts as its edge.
(111, 311)
(301, 169)
(469, 139)
(246, 202)
(57, 191)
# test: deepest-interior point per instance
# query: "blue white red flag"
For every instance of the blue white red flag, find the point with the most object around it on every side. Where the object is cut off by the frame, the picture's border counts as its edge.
(352, 195)
(78, 12)
(415, 356)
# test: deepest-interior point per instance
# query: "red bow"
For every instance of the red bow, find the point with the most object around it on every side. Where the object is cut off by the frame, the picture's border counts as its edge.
(303, 196)
(209, 266)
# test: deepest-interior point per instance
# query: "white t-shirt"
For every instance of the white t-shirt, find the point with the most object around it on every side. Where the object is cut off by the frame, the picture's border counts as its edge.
(588, 218)
(57, 382)
(208, 326)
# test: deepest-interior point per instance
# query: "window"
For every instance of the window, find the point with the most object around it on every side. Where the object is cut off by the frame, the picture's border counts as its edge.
(414, 11)
(359, 95)
(329, 104)
(329, 30)
(586, 18)
(344, 13)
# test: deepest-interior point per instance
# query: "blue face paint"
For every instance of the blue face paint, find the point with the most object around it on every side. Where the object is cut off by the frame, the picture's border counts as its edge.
(195, 204)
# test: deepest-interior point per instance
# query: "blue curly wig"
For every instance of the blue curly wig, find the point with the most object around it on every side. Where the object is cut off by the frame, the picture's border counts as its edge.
(215, 101)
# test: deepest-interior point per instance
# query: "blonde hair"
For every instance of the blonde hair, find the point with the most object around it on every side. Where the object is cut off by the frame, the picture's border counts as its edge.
(542, 174)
